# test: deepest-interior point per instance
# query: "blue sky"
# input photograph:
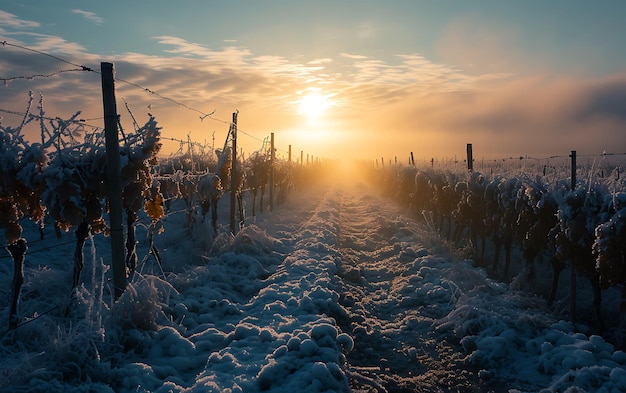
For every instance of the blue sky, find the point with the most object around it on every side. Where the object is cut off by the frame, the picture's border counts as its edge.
(512, 77)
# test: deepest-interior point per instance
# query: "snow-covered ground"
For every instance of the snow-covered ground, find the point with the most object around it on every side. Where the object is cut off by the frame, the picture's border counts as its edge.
(335, 290)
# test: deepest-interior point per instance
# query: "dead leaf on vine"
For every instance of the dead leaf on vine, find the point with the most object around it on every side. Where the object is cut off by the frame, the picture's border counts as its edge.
(154, 207)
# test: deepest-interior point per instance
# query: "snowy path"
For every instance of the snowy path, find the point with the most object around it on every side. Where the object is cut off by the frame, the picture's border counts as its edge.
(395, 346)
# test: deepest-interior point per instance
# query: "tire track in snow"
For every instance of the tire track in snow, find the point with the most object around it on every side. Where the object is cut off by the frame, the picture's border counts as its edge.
(396, 346)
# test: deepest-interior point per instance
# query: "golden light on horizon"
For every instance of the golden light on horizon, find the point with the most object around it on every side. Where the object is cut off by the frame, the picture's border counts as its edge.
(314, 129)
(314, 105)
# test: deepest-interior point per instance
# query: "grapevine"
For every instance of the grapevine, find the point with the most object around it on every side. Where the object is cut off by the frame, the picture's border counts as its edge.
(21, 183)
(138, 186)
(582, 229)
(257, 175)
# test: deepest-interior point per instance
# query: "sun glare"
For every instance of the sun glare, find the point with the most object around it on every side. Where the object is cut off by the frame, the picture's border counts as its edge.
(314, 105)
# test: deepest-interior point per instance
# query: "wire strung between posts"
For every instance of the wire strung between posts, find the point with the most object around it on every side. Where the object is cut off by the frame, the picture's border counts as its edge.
(83, 68)
(39, 117)
(202, 117)
(12, 78)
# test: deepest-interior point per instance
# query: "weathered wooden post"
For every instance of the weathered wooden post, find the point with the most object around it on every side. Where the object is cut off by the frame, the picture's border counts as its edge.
(470, 158)
(114, 183)
(234, 178)
(573, 157)
(572, 273)
(272, 161)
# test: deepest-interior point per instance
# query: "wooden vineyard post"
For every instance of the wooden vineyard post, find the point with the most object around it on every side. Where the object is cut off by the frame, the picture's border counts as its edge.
(470, 158)
(573, 157)
(289, 157)
(233, 175)
(572, 273)
(272, 162)
(301, 157)
(412, 160)
(114, 182)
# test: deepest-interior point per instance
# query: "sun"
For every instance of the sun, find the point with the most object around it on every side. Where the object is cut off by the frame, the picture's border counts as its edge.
(314, 105)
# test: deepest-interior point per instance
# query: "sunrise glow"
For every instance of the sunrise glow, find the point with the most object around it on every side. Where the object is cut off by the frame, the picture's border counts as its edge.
(314, 105)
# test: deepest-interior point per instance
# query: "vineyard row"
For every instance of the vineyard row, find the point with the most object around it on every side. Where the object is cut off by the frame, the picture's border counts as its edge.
(66, 176)
(557, 224)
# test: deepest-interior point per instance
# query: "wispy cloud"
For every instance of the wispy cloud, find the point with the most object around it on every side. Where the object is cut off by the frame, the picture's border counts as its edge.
(10, 20)
(352, 56)
(90, 16)
(54, 44)
(239, 59)
(320, 61)
(229, 56)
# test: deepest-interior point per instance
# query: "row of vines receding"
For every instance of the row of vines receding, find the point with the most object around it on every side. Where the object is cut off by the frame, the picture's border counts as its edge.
(530, 228)
(62, 178)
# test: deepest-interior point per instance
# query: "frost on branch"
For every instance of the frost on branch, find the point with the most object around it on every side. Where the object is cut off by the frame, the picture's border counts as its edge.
(75, 187)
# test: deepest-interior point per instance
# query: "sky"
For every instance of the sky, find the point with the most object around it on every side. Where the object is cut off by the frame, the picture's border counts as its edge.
(364, 79)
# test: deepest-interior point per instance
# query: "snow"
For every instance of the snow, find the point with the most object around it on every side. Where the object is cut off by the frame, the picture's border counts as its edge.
(336, 290)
